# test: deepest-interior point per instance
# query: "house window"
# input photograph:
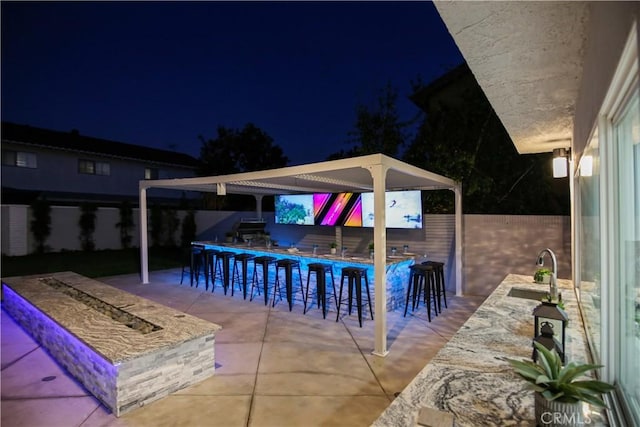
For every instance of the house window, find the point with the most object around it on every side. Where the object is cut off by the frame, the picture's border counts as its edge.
(92, 167)
(150, 173)
(20, 159)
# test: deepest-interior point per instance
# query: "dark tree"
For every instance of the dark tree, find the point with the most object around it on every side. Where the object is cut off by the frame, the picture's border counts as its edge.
(156, 225)
(125, 224)
(41, 223)
(233, 151)
(87, 225)
(171, 223)
(188, 234)
(378, 129)
(245, 150)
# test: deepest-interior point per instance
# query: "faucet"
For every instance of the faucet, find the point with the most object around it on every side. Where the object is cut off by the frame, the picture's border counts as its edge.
(553, 286)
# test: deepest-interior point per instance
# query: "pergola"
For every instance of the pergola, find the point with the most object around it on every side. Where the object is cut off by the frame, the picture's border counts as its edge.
(375, 173)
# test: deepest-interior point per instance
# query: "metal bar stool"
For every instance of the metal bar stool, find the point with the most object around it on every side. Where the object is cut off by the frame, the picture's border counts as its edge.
(264, 262)
(210, 269)
(287, 265)
(224, 260)
(190, 261)
(354, 275)
(197, 260)
(421, 282)
(320, 270)
(242, 259)
(438, 268)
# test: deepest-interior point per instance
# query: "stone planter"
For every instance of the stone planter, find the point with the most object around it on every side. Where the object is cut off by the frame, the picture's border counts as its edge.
(551, 413)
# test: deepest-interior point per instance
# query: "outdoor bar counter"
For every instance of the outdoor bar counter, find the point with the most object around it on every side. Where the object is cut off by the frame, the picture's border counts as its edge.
(469, 381)
(397, 267)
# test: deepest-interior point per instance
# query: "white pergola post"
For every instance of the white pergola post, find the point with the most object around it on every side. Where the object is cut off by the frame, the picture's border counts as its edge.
(379, 174)
(144, 254)
(457, 190)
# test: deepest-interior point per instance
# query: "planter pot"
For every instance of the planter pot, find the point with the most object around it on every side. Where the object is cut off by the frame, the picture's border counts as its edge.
(546, 279)
(333, 251)
(551, 413)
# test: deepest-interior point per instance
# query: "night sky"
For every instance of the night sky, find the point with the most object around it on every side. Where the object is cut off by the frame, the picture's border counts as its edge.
(162, 73)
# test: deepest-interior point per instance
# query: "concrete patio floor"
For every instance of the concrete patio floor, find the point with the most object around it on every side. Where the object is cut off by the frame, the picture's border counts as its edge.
(273, 367)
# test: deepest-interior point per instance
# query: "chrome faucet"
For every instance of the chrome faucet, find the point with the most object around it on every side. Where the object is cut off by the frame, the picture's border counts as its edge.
(553, 285)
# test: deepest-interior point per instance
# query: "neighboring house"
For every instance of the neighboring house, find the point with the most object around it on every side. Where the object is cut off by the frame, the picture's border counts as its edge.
(68, 168)
(565, 76)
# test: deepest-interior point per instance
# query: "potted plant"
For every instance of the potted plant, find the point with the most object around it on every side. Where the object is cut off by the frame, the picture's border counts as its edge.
(559, 392)
(333, 246)
(371, 250)
(542, 275)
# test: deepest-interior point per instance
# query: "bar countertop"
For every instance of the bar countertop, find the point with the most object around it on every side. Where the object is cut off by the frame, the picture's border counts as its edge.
(470, 378)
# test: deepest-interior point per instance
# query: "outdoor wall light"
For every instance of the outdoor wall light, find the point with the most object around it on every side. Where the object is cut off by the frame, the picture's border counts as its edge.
(560, 162)
(586, 165)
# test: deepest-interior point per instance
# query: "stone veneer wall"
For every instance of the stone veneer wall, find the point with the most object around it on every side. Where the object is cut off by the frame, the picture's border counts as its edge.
(124, 385)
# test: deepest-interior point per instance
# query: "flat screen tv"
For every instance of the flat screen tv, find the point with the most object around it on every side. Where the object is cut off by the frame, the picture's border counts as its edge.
(294, 209)
(343, 209)
(403, 209)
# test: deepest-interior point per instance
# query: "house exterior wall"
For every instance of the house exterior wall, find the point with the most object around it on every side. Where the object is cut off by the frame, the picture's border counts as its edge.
(608, 29)
(57, 170)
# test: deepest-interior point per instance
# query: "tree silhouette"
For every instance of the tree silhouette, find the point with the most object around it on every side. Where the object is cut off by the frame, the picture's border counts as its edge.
(378, 129)
(245, 150)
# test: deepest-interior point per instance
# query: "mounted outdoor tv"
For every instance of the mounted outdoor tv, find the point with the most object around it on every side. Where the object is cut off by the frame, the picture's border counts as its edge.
(403, 209)
(343, 209)
(294, 209)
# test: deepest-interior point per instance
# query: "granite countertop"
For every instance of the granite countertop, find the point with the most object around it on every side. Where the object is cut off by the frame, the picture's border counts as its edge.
(112, 340)
(469, 377)
(357, 258)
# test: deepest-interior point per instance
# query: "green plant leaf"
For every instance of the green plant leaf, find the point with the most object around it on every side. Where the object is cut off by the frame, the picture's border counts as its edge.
(546, 360)
(526, 369)
(593, 386)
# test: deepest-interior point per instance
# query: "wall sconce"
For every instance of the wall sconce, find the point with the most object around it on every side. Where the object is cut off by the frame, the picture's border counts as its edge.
(586, 165)
(560, 162)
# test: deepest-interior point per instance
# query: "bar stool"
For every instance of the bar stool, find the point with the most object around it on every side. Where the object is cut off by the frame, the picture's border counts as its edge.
(320, 270)
(210, 269)
(438, 268)
(223, 259)
(354, 275)
(242, 259)
(196, 261)
(421, 282)
(287, 264)
(264, 262)
(188, 264)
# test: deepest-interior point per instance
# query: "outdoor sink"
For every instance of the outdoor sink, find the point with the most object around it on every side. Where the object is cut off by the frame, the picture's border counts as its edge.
(533, 294)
